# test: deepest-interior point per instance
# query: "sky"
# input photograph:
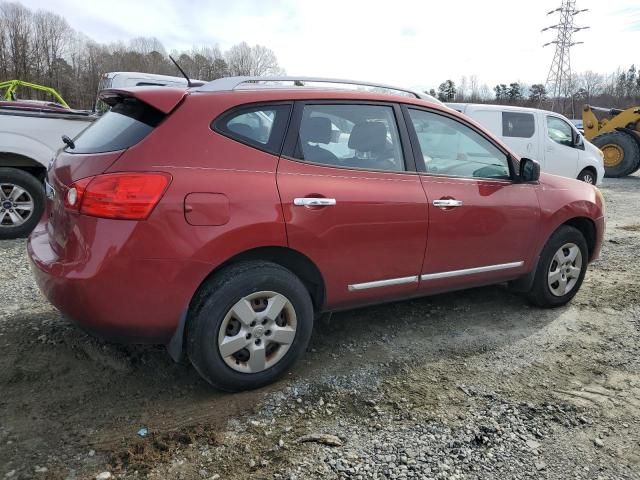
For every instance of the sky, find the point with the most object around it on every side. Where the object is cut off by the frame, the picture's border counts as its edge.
(410, 43)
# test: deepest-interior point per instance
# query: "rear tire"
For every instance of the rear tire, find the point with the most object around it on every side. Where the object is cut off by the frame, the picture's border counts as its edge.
(233, 341)
(561, 268)
(22, 201)
(588, 176)
(621, 153)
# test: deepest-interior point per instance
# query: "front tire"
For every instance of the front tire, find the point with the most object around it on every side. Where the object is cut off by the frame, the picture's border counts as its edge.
(561, 268)
(22, 201)
(250, 323)
(587, 176)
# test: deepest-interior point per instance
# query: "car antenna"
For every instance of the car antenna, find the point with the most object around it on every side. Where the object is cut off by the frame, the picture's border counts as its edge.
(70, 143)
(189, 84)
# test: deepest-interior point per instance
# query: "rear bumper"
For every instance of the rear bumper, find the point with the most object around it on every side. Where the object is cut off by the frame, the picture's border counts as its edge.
(111, 294)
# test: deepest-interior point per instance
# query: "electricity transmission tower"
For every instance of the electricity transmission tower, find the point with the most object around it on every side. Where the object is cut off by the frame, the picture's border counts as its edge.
(559, 81)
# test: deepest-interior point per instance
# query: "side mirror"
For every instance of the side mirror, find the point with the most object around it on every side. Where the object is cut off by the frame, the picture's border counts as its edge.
(578, 141)
(529, 170)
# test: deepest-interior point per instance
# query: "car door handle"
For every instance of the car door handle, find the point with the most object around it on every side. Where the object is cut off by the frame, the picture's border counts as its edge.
(447, 203)
(314, 202)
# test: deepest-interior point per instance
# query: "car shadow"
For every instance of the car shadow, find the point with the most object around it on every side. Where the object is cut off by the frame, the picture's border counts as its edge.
(60, 385)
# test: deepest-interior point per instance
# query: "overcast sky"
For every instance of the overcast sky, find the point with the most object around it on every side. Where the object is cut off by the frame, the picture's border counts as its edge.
(416, 43)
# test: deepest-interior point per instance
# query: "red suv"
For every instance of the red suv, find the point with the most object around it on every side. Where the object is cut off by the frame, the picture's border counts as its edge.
(221, 220)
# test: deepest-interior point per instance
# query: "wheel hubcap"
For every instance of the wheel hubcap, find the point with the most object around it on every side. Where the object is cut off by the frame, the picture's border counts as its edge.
(257, 332)
(16, 205)
(565, 269)
(613, 154)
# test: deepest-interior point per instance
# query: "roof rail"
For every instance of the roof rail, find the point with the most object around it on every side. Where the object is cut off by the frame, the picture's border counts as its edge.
(233, 83)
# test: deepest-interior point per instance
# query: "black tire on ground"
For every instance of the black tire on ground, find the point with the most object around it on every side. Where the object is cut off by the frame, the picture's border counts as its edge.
(541, 294)
(34, 189)
(587, 175)
(630, 161)
(218, 296)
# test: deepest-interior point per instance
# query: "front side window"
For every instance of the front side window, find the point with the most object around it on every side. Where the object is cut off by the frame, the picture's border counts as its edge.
(519, 125)
(454, 149)
(351, 136)
(259, 126)
(559, 131)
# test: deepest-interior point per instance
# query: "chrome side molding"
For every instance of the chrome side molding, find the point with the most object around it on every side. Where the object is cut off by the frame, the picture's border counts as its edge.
(383, 283)
(471, 271)
(433, 276)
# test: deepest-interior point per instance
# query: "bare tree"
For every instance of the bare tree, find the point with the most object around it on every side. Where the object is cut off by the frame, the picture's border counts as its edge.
(239, 59)
(475, 89)
(485, 93)
(592, 83)
(52, 38)
(243, 60)
(264, 61)
(17, 26)
(461, 93)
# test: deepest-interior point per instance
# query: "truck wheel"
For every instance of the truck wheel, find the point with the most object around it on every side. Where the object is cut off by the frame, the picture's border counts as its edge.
(22, 200)
(561, 268)
(587, 176)
(248, 325)
(621, 153)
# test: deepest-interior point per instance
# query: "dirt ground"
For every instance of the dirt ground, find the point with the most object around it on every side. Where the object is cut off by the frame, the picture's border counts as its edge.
(474, 384)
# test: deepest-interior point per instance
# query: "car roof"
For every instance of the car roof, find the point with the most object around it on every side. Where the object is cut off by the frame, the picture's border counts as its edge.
(322, 83)
(246, 95)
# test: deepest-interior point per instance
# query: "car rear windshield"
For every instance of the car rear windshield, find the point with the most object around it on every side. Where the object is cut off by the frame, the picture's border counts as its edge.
(127, 123)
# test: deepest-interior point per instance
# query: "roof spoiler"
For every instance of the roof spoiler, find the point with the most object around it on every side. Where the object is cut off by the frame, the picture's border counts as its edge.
(164, 99)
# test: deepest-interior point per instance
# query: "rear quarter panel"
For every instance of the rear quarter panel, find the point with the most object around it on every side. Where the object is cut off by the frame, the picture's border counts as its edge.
(203, 161)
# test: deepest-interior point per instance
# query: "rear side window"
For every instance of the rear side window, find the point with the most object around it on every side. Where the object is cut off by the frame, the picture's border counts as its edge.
(350, 136)
(261, 126)
(126, 124)
(520, 125)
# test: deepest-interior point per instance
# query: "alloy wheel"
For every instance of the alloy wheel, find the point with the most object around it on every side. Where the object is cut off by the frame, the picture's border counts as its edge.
(16, 205)
(588, 178)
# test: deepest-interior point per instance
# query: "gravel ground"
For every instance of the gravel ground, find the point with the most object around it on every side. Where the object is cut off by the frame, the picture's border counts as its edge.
(468, 385)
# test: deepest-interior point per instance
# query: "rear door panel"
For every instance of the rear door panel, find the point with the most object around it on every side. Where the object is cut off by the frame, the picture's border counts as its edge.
(369, 245)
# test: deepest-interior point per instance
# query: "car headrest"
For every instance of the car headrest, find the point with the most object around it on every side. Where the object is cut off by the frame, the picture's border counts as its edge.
(243, 129)
(368, 137)
(316, 130)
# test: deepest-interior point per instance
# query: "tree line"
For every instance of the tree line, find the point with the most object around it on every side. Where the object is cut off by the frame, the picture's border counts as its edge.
(41, 47)
(620, 89)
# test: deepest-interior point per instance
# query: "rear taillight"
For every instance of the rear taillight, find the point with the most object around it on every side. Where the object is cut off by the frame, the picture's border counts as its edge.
(126, 196)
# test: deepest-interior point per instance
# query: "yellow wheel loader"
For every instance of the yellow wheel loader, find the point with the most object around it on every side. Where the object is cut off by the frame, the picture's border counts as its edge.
(617, 134)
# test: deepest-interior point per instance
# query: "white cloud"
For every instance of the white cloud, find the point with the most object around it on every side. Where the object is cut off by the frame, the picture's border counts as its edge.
(415, 43)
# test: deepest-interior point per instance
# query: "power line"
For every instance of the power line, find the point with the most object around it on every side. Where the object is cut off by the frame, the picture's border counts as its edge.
(559, 80)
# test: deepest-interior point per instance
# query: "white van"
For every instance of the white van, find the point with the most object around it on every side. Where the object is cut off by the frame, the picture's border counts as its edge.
(545, 136)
